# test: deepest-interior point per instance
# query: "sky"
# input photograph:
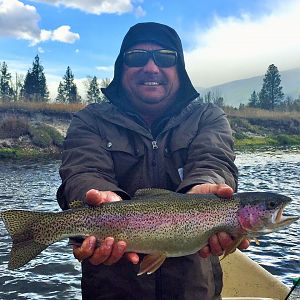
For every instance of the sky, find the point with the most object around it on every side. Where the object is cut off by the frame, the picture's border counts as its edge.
(223, 40)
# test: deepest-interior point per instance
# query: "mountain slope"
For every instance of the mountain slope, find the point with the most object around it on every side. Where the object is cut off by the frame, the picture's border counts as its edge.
(239, 91)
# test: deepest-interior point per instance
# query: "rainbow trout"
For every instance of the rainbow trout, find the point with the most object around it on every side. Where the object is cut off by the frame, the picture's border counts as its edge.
(156, 222)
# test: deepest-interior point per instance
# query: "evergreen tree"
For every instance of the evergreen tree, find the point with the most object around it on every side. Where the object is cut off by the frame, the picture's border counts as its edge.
(104, 84)
(6, 92)
(208, 97)
(219, 101)
(17, 85)
(61, 96)
(93, 93)
(253, 101)
(67, 90)
(35, 86)
(271, 94)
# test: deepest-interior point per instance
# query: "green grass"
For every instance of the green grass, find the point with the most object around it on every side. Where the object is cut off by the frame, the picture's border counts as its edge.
(278, 140)
(43, 136)
(21, 153)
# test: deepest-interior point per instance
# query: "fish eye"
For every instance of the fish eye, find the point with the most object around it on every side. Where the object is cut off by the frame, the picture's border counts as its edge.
(272, 204)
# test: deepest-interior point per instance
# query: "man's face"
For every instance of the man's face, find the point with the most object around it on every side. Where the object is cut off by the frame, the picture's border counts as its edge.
(151, 89)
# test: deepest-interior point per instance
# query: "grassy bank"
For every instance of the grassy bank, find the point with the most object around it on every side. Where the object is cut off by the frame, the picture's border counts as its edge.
(21, 138)
(259, 141)
(256, 127)
(41, 107)
(29, 153)
(25, 133)
(255, 113)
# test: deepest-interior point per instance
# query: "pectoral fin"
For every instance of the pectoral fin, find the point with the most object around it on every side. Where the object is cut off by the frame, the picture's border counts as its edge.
(256, 241)
(151, 263)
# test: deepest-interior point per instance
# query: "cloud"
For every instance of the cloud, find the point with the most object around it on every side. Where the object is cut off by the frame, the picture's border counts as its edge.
(41, 50)
(21, 21)
(139, 12)
(105, 68)
(96, 7)
(241, 47)
(61, 34)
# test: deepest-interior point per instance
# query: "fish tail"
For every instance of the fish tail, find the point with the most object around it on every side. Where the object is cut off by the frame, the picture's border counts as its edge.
(19, 224)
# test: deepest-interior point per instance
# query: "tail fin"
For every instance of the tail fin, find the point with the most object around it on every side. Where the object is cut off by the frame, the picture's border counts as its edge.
(19, 225)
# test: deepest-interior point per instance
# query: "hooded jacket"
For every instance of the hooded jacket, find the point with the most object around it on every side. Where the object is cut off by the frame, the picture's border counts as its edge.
(109, 147)
(164, 36)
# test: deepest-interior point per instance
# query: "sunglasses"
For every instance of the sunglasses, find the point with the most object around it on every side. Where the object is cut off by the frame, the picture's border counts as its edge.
(139, 58)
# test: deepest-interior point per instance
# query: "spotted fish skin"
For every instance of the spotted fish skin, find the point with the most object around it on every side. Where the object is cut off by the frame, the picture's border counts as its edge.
(154, 221)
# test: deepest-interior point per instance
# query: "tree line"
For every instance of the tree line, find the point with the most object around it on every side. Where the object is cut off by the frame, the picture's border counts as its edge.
(270, 97)
(33, 87)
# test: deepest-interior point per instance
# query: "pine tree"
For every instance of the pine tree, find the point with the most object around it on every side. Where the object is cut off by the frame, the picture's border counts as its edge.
(35, 86)
(93, 93)
(61, 96)
(104, 84)
(6, 92)
(219, 101)
(208, 97)
(253, 101)
(17, 84)
(67, 90)
(271, 94)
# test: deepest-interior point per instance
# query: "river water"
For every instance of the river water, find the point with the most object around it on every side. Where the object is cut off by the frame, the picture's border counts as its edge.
(55, 274)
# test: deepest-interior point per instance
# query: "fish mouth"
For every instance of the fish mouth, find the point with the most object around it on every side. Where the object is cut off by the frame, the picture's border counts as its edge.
(279, 220)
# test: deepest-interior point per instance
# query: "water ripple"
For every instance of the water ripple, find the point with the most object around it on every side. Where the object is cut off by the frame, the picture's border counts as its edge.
(55, 274)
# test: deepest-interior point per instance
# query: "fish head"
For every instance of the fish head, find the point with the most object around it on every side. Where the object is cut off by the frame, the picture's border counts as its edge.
(262, 212)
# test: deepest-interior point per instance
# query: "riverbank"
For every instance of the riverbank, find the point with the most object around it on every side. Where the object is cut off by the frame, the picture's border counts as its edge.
(37, 130)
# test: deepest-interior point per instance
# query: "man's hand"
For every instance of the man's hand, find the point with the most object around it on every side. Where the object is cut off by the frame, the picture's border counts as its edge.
(222, 240)
(109, 252)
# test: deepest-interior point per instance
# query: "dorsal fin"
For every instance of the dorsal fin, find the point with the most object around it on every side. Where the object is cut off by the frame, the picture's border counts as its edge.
(151, 193)
(76, 204)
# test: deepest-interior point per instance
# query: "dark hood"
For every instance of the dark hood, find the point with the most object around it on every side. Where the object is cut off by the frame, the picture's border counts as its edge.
(164, 36)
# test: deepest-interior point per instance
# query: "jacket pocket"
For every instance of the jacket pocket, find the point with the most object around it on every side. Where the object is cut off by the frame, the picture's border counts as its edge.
(127, 157)
(123, 149)
(176, 153)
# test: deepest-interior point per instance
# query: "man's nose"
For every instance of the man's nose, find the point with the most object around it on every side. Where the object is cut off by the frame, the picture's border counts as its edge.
(151, 66)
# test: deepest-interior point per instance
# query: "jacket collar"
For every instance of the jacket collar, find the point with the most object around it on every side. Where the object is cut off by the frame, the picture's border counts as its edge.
(132, 121)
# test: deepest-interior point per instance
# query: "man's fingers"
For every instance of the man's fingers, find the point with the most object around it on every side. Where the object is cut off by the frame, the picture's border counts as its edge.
(222, 190)
(204, 252)
(95, 197)
(218, 243)
(215, 247)
(107, 253)
(86, 249)
(244, 244)
(225, 240)
(103, 252)
(117, 252)
(133, 257)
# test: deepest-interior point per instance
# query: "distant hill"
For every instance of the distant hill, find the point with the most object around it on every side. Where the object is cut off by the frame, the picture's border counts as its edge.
(239, 91)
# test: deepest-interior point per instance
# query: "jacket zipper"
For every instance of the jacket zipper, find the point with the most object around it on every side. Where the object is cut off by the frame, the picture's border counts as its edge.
(158, 276)
(154, 145)
(154, 163)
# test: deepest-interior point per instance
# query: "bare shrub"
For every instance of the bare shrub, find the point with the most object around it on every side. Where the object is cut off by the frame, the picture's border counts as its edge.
(13, 127)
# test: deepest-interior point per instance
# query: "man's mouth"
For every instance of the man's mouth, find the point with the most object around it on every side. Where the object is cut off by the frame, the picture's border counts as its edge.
(151, 83)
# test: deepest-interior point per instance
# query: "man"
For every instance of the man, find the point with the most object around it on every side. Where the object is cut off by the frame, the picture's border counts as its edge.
(151, 134)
